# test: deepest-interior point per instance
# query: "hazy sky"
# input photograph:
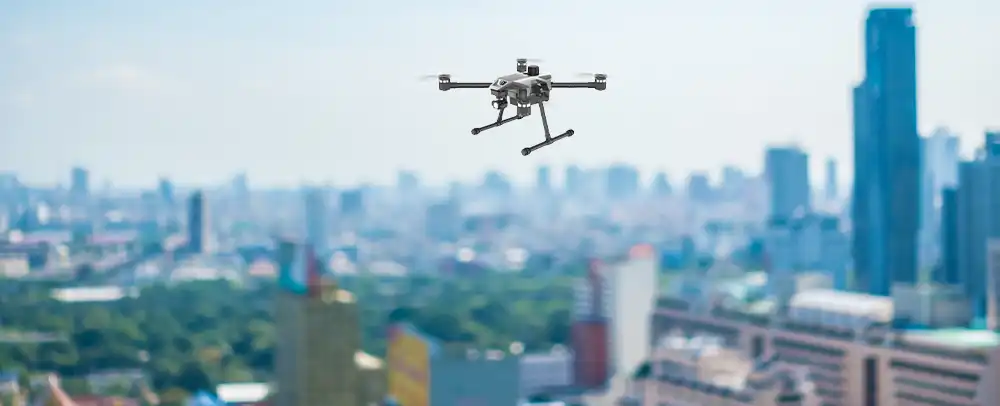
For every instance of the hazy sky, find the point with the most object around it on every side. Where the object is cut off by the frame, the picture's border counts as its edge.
(293, 91)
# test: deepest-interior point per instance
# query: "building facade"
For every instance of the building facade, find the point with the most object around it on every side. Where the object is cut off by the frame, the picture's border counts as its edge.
(319, 338)
(633, 283)
(787, 172)
(316, 218)
(546, 371)
(850, 353)
(198, 224)
(887, 164)
(423, 371)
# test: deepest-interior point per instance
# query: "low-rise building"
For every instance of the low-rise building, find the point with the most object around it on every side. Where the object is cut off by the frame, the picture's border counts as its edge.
(846, 344)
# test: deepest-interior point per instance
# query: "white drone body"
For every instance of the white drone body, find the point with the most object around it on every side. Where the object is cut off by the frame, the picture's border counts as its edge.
(526, 88)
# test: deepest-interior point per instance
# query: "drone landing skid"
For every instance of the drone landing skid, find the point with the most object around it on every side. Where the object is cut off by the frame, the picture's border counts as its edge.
(549, 139)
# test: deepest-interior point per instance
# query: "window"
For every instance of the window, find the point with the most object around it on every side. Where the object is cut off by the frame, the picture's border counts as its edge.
(870, 377)
(757, 347)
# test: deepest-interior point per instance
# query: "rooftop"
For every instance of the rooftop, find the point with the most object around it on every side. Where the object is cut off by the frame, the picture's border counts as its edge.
(955, 337)
(367, 361)
(90, 294)
(243, 392)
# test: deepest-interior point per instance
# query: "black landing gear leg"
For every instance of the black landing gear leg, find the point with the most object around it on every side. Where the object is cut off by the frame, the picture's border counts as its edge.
(549, 139)
(499, 104)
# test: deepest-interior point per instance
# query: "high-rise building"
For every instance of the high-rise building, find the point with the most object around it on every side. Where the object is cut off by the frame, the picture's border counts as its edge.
(543, 179)
(927, 247)
(947, 271)
(590, 329)
(316, 218)
(352, 209)
(317, 350)
(79, 184)
(992, 146)
(831, 190)
(198, 225)
(622, 181)
(699, 188)
(787, 172)
(807, 243)
(166, 191)
(633, 283)
(661, 185)
(496, 183)
(407, 181)
(574, 180)
(978, 220)
(993, 284)
(941, 158)
(886, 155)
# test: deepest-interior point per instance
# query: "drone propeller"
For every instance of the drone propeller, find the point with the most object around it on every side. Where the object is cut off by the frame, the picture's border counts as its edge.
(530, 60)
(435, 76)
(591, 75)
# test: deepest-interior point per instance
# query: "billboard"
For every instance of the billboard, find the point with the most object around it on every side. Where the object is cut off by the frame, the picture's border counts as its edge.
(408, 359)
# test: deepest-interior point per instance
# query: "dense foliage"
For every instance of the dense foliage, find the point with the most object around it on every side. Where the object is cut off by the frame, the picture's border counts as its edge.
(194, 335)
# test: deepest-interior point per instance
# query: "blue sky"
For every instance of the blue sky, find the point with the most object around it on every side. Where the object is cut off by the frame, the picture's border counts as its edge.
(318, 91)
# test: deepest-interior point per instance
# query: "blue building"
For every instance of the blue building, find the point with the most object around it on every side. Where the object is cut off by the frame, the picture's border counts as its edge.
(787, 173)
(976, 220)
(885, 209)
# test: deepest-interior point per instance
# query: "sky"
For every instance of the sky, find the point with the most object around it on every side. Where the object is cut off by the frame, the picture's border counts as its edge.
(330, 91)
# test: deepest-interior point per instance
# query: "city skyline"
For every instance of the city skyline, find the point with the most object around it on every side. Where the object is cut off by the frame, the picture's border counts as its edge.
(265, 79)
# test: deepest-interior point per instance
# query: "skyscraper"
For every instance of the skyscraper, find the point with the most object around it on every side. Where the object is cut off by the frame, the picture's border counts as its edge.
(317, 337)
(589, 333)
(543, 179)
(573, 179)
(661, 185)
(947, 272)
(407, 182)
(198, 223)
(941, 158)
(787, 172)
(622, 181)
(166, 191)
(886, 155)
(831, 180)
(79, 184)
(977, 222)
(316, 219)
(633, 285)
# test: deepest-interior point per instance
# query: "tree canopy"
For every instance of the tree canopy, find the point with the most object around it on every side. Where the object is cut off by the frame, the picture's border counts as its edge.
(192, 336)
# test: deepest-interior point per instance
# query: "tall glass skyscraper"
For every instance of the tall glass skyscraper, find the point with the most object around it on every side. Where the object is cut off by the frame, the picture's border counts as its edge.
(316, 219)
(886, 155)
(787, 173)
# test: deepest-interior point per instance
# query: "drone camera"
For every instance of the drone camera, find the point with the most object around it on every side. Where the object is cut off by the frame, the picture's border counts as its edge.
(533, 70)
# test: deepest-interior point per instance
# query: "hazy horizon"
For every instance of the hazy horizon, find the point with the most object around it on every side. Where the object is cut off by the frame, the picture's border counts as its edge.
(313, 91)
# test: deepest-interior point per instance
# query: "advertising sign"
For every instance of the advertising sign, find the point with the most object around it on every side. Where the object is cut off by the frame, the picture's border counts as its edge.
(409, 367)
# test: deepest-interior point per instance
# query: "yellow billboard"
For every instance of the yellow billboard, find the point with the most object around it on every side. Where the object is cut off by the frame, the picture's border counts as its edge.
(409, 367)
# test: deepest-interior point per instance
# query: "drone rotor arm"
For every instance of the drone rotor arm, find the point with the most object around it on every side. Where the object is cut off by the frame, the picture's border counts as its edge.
(463, 85)
(579, 85)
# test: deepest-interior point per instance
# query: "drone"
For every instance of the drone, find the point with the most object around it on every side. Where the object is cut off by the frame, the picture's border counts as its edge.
(526, 88)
